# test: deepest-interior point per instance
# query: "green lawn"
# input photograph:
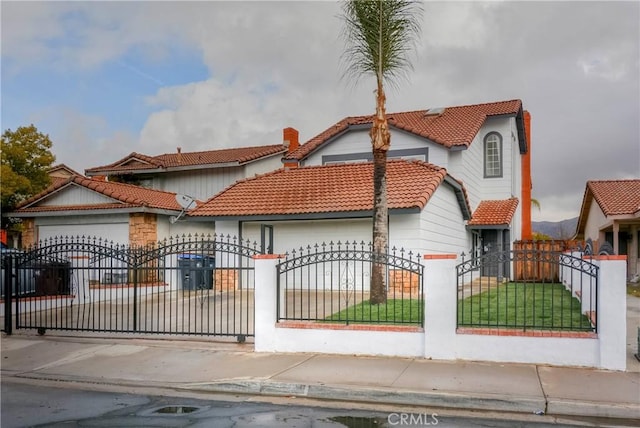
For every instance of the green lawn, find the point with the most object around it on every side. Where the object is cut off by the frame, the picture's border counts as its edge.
(394, 311)
(524, 305)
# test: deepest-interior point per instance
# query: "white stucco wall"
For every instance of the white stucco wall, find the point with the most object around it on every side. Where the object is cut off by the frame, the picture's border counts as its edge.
(183, 227)
(441, 340)
(596, 220)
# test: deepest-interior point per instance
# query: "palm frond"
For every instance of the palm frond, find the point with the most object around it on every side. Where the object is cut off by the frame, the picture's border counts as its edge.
(379, 37)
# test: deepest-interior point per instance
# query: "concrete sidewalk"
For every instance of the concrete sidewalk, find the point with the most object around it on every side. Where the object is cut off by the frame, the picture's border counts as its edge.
(234, 368)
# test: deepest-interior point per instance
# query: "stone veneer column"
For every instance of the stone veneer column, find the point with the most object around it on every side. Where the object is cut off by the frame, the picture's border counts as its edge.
(143, 229)
(28, 232)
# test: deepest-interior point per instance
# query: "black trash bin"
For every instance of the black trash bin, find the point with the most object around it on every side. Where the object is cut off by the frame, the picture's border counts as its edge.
(196, 271)
(52, 277)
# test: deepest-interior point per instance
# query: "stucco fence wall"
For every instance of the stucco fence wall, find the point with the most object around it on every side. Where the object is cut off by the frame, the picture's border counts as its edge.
(440, 338)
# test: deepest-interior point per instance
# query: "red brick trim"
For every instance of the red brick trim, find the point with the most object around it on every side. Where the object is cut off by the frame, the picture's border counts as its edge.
(268, 256)
(440, 256)
(527, 333)
(353, 327)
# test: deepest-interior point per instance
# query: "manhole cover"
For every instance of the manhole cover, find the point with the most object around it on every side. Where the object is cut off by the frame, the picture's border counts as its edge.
(359, 422)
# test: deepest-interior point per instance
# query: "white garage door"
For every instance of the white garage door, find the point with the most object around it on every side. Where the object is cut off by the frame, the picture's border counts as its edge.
(116, 232)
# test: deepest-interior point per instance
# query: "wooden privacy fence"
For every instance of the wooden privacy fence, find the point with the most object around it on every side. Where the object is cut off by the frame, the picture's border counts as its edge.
(537, 260)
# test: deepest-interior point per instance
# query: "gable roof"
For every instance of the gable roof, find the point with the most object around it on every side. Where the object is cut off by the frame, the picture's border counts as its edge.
(62, 170)
(452, 127)
(328, 191)
(614, 197)
(123, 195)
(140, 163)
(494, 213)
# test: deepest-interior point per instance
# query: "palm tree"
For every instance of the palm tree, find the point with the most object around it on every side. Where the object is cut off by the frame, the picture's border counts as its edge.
(379, 35)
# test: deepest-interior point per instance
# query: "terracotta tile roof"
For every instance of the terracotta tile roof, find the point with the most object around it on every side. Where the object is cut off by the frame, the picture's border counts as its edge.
(494, 212)
(616, 197)
(125, 196)
(137, 161)
(454, 126)
(325, 189)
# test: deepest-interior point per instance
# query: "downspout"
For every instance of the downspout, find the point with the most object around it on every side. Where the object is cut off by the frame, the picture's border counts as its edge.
(525, 169)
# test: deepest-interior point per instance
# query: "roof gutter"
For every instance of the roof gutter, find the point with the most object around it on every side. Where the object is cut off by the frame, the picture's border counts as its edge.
(462, 200)
(92, 211)
(487, 226)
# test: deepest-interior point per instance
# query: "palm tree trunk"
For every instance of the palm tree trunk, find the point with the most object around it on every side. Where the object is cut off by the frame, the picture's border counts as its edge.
(380, 140)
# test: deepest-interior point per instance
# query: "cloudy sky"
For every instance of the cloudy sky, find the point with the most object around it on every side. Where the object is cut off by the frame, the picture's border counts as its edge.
(104, 79)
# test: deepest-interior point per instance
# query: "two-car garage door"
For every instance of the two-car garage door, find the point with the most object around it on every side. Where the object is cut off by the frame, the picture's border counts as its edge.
(112, 228)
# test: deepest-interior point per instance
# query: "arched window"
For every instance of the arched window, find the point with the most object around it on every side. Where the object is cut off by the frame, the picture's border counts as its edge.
(493, 155)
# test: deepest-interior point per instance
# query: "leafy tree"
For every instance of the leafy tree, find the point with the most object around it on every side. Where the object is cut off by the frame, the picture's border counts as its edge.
(538, 236)
(25, 159)
(379, 35)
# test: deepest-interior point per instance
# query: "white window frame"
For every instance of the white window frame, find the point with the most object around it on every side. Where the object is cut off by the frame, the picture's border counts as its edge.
(493, 155)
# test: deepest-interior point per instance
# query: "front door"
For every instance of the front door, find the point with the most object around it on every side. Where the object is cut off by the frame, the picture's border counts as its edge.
(495, 252)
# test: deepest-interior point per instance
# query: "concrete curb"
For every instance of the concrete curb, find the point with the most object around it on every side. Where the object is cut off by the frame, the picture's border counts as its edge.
(264, 387)
(386, 396)
(486, 402)
(566, 407)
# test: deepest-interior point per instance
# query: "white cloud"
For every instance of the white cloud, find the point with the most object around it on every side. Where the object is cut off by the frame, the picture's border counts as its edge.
(271, 65)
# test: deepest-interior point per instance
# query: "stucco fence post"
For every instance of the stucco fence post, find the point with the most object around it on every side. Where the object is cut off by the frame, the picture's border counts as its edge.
(612, 311)
(440, 295)
(265, 297)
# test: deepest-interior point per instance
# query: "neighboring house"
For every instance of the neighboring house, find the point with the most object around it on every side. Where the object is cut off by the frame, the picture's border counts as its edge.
(485, 147)
(61, 172)
(57, 173)
(614, 218)
(118, 212)
(196, 174)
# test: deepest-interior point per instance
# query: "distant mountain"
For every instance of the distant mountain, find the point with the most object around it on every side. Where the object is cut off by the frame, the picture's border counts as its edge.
(564, 229)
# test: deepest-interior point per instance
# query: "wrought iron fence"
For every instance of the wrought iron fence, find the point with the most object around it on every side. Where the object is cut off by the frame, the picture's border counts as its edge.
(188, 285)
(331, 283)
(528, 289)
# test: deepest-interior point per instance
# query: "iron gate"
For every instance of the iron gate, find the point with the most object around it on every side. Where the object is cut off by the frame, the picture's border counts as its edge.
(188, 285)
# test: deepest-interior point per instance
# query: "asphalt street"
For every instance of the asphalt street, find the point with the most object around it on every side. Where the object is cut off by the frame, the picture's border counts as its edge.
(36, 405)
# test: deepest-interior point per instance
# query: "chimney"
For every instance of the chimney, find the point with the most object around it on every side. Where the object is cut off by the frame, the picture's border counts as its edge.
(179, 154)
(290, 139)
(291, 142)
(527, 233)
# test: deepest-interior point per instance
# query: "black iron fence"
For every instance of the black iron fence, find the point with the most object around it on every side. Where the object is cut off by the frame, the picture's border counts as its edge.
(528, 289)
(331, 283)
(188, 285)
